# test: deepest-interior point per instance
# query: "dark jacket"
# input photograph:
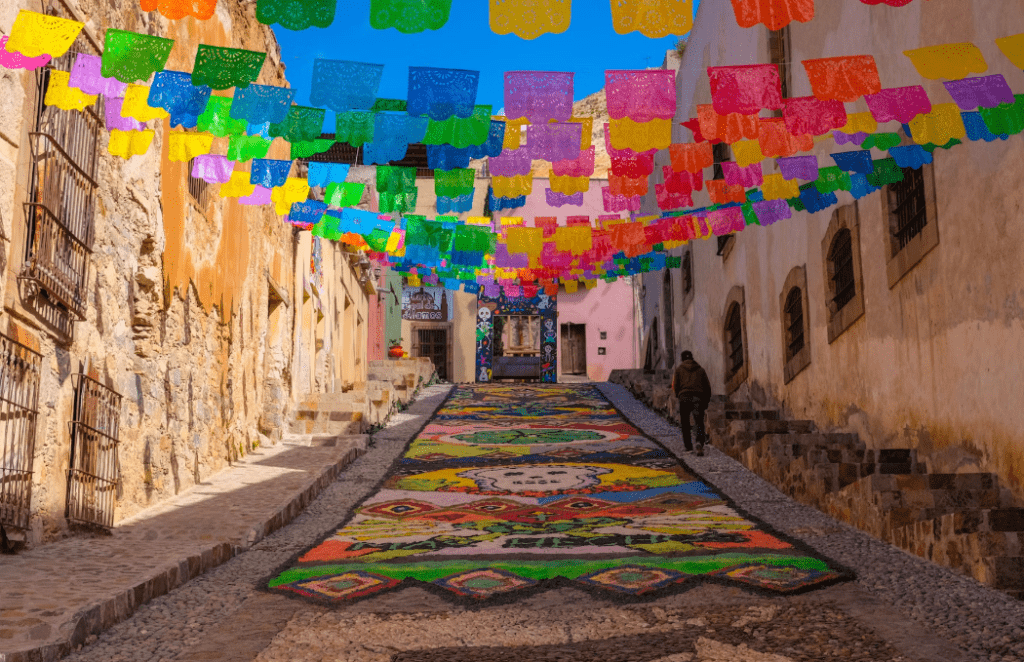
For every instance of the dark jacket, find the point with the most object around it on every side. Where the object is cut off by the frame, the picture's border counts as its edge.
(690, 379)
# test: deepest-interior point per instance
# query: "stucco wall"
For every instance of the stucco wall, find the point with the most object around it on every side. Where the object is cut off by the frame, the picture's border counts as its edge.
(608, 308)
(932, 362)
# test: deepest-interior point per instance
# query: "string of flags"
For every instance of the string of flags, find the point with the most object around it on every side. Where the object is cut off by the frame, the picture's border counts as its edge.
(441, 111)
(527, 19)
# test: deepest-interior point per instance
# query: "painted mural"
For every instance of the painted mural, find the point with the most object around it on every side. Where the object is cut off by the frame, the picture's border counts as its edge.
(430, 304)
(541, 305)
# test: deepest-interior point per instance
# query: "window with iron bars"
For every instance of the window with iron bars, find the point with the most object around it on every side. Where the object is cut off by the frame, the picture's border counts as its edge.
(20, 368)
(840, 256)
(734, 340)
(687, 273)
(93, 469)
(721, 153)
(61, 201)
(199, 189)
(908, 212)
(794, 323)
(778, 54)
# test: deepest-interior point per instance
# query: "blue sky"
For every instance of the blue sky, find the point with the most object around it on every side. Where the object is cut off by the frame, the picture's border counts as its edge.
(588, 47)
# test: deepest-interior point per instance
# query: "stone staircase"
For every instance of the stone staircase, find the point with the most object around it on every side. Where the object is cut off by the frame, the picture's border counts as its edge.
(322, 419)
(962, 521)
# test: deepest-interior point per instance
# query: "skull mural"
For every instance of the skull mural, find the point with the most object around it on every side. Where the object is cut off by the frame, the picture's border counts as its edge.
(535, 478)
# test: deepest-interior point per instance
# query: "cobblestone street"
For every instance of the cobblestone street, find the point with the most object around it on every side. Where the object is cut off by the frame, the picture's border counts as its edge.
(898, 608)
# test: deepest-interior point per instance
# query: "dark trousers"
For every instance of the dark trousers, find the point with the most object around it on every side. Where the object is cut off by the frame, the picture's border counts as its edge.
(692, 404)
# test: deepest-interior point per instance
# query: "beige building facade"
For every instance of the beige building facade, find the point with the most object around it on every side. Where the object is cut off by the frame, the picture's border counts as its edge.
(154, 331)
(909, 334)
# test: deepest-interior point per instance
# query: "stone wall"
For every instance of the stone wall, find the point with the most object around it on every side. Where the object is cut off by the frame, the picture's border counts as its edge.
(925, 366)
(965, 521)
(200, 316)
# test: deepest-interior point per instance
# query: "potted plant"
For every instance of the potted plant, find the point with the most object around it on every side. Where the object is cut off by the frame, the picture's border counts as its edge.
(395, 350)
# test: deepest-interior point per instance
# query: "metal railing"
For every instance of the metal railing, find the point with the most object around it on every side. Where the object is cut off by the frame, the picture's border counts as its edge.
(93, 470)
(58, 261)
(19, 401)
(61, 205)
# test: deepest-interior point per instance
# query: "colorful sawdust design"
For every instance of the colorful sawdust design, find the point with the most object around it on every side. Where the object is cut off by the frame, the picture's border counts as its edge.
(509, 489)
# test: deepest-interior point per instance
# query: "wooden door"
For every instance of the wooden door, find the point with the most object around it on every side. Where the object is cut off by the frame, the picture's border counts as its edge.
(574, 349)
(434, 345)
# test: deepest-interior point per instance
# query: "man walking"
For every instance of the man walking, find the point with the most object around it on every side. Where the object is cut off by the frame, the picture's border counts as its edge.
(691, 385)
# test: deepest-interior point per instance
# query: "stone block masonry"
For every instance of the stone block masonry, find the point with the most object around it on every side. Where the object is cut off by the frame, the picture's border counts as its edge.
(210, 319)
(962, 521)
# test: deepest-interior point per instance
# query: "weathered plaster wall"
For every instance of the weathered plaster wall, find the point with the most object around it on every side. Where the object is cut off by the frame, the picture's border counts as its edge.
(931, 362)
(608, 308)
(182, 319)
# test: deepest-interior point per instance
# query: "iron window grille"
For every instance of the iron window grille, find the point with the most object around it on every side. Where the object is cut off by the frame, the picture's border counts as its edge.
(907, 207)
(720, 152)
(93, 470)
(794, 323)
(199, 189)
(19, 400)
(734, 340)
(687, 273)
(61, 203)
(841, 257)
(723, 242)
(778, 54)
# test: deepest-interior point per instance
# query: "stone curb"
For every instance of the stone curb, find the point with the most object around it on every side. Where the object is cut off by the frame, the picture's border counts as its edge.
(93, 620)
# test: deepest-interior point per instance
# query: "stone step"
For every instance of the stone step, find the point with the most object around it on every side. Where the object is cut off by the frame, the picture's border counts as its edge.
(795, 445)
(359, 441)
(1005, 573)
(330, 412)
(350, 426)
(752, 414)
(753, 430)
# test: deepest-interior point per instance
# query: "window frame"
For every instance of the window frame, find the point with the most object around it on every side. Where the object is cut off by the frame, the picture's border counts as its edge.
(901, 260)
(840, 319)
(733, 380)
(686, 265)
(51, 248)
(780, 51)
(199, 190)
(793, 364)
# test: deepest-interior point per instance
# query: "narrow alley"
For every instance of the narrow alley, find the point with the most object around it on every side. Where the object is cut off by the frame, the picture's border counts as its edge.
(632, 550)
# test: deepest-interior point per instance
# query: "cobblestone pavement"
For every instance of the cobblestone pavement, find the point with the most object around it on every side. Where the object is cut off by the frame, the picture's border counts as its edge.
(899, 608)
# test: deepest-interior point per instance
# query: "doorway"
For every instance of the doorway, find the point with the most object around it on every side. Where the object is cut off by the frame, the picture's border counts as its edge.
(574, 349)
(433, 344)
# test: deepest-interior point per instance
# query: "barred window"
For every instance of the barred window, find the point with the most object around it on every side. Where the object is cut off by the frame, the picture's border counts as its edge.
(734, 340)
(687, 273)
(908, 212)
(61, 196)
(840, 256)
(723, 242)
(779, 54)
(720, 152)
(199, 189)
(20, 369)
(794, 323)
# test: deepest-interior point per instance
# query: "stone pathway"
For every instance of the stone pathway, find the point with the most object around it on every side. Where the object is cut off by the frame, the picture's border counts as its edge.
(900, 607)
(57, 596)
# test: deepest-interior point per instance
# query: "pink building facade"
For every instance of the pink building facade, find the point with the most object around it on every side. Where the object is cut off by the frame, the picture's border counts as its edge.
(597, 328)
